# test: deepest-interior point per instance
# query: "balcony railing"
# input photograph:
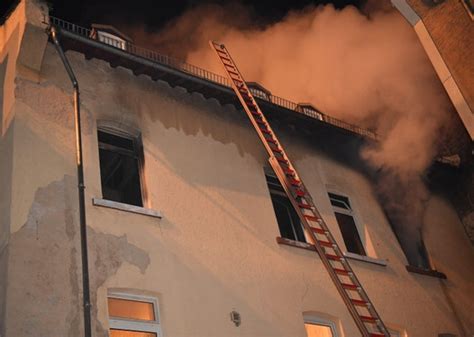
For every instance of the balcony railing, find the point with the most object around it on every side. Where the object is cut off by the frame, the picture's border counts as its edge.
(199, 72)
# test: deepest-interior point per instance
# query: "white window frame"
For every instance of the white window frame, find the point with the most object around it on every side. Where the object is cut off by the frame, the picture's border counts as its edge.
(121, 323)
(350, 212)
(111, 39)
(322, 321)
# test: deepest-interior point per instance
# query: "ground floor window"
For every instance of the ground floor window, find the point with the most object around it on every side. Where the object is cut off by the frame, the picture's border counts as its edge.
(318, 330)
(133, 315)
(319, 326)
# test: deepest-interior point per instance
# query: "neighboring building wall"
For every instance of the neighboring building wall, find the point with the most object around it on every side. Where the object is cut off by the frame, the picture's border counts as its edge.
(214, 251)
(446, 31)
(15, 54)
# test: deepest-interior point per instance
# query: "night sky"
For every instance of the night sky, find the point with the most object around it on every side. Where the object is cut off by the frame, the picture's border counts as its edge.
(154, 14)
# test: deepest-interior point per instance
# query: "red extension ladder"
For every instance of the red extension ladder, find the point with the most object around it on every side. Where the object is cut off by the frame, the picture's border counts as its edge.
(349, 287)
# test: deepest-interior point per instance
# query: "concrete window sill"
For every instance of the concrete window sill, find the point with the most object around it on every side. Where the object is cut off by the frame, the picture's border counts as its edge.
(427, 272)
(307, 246)
(363, 258)
(126, 208)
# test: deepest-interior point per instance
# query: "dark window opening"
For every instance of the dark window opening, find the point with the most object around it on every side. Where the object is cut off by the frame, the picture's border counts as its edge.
(345, 219)
(350, 234)
(120, 162)
(288, 221)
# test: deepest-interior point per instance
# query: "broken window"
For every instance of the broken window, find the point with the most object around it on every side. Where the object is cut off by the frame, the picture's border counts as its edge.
(133, 315)
(121, 158)
(287, 218)
(345, 219)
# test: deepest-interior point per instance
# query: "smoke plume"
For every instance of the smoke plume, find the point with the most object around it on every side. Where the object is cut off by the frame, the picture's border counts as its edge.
(369, 70)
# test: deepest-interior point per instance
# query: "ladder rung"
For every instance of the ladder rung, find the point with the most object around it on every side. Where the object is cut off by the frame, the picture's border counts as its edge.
(255, 113)
(318, 230)
(289, 171)
(304, 206)
(299, 193)
(222, 52)
(259, 121)
(296, 183)
(325, 243)
(265, 131)
(333, 257)
(359, 302)
(270, 140)
(311, 218)
(277, 150)
(376, 334)
(368, 319)
(341, 271)
(282, 160)
(234, 73)
(349, 286)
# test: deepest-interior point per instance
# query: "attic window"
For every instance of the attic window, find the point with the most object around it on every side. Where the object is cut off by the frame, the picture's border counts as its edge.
(111, 39)
(259, 91)
(309, 110)
(121, 160)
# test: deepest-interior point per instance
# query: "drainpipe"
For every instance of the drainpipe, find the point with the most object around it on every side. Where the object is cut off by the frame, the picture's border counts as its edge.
(80, 185)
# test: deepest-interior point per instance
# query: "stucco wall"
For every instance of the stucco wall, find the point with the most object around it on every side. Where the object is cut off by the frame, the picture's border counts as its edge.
(214, 251)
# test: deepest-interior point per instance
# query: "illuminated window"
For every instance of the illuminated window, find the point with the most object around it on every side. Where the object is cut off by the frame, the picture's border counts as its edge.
(133, 316)
(288, 220)
(319, 327)
(346, 221)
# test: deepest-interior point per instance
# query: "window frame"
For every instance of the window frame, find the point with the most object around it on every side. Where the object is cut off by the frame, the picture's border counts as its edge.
(274, 191)
(129, 324)
(138, 153)
(111, 40)
(350, 211)
(322, 322)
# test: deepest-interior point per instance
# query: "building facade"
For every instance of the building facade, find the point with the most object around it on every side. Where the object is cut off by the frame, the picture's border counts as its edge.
(187, 231)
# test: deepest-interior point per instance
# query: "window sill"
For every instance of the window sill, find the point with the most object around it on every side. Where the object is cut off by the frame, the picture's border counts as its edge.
(307, 246)
(427, 272)
(126, 208)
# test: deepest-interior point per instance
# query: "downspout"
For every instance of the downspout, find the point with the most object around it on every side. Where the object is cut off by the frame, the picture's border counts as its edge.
(80, 185)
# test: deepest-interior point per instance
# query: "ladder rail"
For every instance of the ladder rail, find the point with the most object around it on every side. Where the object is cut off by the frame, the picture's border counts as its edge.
(295, 188)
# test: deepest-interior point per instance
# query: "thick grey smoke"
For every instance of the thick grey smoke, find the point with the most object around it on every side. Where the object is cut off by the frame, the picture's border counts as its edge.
(366, 69)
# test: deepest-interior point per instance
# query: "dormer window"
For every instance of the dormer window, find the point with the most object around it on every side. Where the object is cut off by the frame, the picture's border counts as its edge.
(259, 91)
(110, 39)
(110, 35)
(309, 110)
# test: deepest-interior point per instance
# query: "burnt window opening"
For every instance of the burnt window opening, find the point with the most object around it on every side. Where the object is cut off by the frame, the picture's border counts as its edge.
(345, 219)
(121, 162)
(288, 221)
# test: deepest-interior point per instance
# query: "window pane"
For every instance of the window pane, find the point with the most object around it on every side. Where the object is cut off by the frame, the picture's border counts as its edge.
(315, 330)
(127, 333)
(339, 201)
(350, 234)
(119, 307)
(111, 139)
(287, 218)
